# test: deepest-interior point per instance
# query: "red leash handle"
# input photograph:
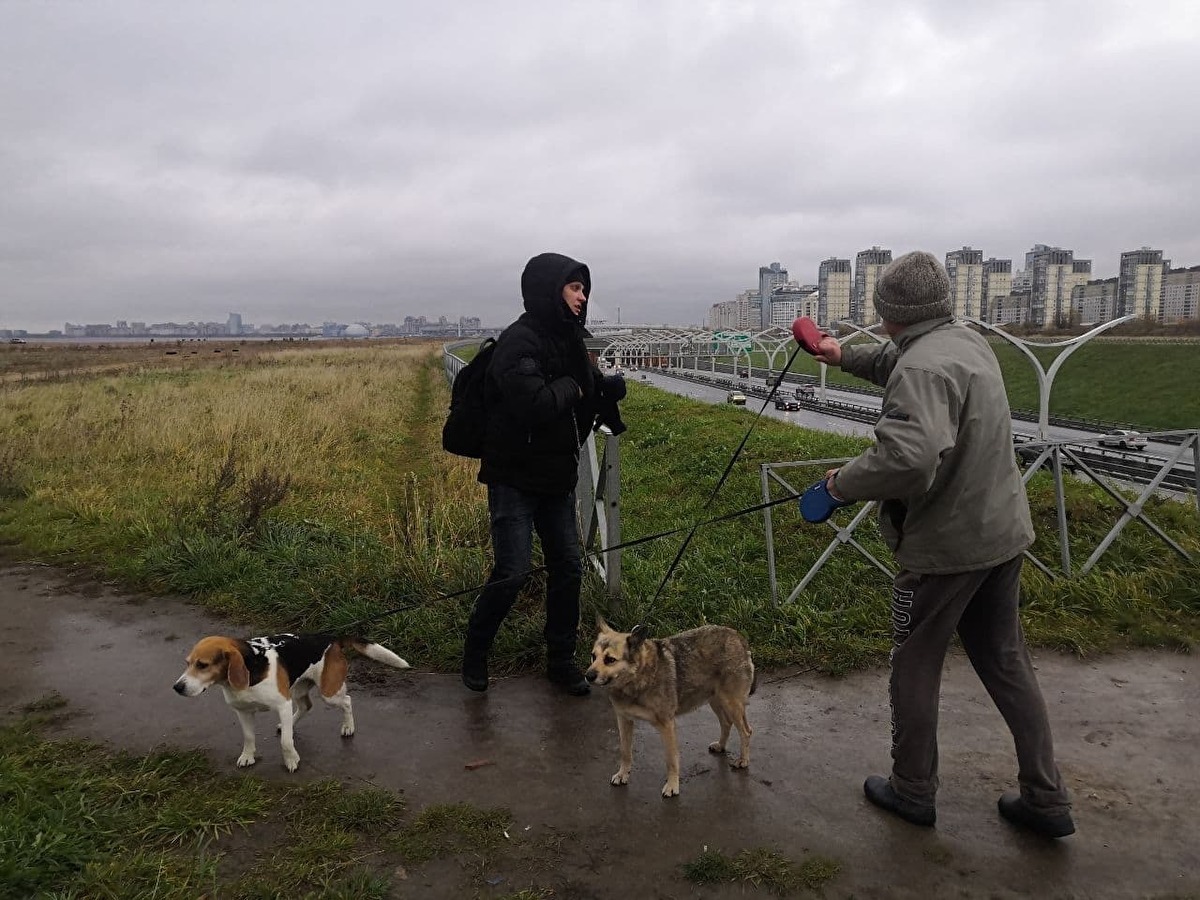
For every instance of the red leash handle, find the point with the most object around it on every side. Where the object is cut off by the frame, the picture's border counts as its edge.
(808, 335)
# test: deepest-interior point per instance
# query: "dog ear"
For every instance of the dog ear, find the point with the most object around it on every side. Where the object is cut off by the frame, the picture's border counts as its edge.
(236, 672)
(639, 634)
(601, 624)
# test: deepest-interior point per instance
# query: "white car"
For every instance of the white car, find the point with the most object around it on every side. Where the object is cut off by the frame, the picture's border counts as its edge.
(1123, 439)
(736, 397)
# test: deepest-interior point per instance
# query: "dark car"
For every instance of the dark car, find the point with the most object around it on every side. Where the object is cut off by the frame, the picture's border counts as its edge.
(1028, 455)
(787, 403)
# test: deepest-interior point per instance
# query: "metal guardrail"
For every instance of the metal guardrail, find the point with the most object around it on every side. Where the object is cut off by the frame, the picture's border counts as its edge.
(1059, 456)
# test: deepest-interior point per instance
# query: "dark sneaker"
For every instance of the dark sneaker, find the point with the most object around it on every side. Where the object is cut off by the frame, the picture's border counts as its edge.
(880, 792)
(475, 671)
(1014, 808)
(569, 679)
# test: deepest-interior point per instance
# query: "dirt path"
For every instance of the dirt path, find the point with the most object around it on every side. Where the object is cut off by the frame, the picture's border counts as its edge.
(1127, 730)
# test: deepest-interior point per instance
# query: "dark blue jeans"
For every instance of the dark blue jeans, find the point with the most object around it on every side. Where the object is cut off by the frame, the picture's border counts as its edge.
(515, 514)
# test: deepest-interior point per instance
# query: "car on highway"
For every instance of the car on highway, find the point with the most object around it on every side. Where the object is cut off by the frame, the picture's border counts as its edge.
(787, 403)
(1029, 455)
(806, 392)
(1123, 439)
(736, 397)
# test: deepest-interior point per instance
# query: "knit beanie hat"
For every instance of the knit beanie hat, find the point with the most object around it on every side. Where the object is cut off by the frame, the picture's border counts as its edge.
(913, 288)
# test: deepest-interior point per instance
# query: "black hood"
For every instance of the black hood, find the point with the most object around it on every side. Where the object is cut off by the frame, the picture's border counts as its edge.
(541, 286)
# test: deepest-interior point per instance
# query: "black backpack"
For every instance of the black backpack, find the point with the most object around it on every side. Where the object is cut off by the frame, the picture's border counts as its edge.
(466, 424)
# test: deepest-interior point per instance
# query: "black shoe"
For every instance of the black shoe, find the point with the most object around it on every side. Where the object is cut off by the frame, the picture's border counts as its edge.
(569, 679)
(1014, 808)
(880, 792)
(475, 670)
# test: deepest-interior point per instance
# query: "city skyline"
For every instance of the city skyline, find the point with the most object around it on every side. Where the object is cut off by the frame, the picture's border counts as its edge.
(1055, 289)
(300, 162)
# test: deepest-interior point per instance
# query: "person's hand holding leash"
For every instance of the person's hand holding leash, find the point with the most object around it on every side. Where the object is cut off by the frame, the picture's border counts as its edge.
(819, 502)
(817, 343)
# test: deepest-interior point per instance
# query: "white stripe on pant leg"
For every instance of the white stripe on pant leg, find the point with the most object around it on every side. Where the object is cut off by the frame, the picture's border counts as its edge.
(902, 602)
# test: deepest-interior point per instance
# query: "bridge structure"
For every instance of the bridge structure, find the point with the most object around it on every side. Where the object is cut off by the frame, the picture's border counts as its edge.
(693, 348)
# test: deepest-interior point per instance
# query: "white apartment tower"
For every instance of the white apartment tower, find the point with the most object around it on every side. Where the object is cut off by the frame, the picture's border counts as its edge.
(1053, 273)
(997, 278)
(965, 268)
(834, 284)
(867, 267)
(1181, 298)
(1142, 283)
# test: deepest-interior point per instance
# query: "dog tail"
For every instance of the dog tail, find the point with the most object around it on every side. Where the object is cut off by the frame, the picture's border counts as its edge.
(378, 652)
(753, 680)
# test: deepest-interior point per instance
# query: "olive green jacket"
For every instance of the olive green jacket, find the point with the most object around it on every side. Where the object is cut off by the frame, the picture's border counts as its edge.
(943, 462)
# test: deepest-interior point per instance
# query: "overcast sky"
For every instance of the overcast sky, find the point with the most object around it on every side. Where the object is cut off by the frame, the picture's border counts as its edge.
(303, 161)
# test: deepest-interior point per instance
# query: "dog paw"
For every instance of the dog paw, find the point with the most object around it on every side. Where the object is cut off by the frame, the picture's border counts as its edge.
(670, 789)
(245, 760)
(291, 761)
(347, 731)
(740, 763)
(620, 778)
(716, 747)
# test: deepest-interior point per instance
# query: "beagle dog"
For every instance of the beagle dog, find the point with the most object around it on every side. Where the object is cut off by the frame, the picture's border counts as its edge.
(277, 672)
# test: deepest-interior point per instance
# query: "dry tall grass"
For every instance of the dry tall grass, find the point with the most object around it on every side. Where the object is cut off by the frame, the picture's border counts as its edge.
(351, 426)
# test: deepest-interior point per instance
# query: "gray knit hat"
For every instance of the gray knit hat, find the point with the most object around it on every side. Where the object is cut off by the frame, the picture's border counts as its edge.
(913, 288)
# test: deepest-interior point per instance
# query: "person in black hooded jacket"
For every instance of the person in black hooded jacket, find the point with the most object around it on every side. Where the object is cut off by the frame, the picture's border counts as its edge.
(543, 396)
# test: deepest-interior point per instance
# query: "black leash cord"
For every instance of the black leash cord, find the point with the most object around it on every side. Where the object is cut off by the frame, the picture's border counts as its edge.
(589, 555)
(724, 475)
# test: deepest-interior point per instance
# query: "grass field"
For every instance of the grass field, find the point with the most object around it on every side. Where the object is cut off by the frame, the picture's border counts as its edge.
(306, 488)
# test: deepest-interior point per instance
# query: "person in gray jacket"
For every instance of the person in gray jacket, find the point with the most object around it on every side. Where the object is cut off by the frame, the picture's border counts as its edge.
(953, 510)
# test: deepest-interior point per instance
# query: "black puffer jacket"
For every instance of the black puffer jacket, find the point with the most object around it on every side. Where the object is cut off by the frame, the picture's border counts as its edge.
(542, 386)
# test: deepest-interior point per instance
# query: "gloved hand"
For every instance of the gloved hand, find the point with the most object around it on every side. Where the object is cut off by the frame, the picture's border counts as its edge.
(817, 504)
(609, 390)
(612, 387)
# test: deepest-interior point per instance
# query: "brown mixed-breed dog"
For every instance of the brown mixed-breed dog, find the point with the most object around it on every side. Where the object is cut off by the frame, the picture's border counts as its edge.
(658, 679)
(277, 673)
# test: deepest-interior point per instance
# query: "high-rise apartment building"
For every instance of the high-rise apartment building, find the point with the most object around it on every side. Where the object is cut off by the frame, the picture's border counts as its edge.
(1181, 295)
(834, 284)
(997, 282)
(234, 325)
(1053, 273)
(1094, 302)
(867, 266)
(965, 268)
(1141, 283)
(769, 278)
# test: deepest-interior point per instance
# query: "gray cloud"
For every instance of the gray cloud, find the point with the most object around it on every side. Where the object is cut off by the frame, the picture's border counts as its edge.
(370, 161)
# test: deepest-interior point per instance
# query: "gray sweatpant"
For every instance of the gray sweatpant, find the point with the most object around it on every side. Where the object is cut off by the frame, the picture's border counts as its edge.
(983, 607)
